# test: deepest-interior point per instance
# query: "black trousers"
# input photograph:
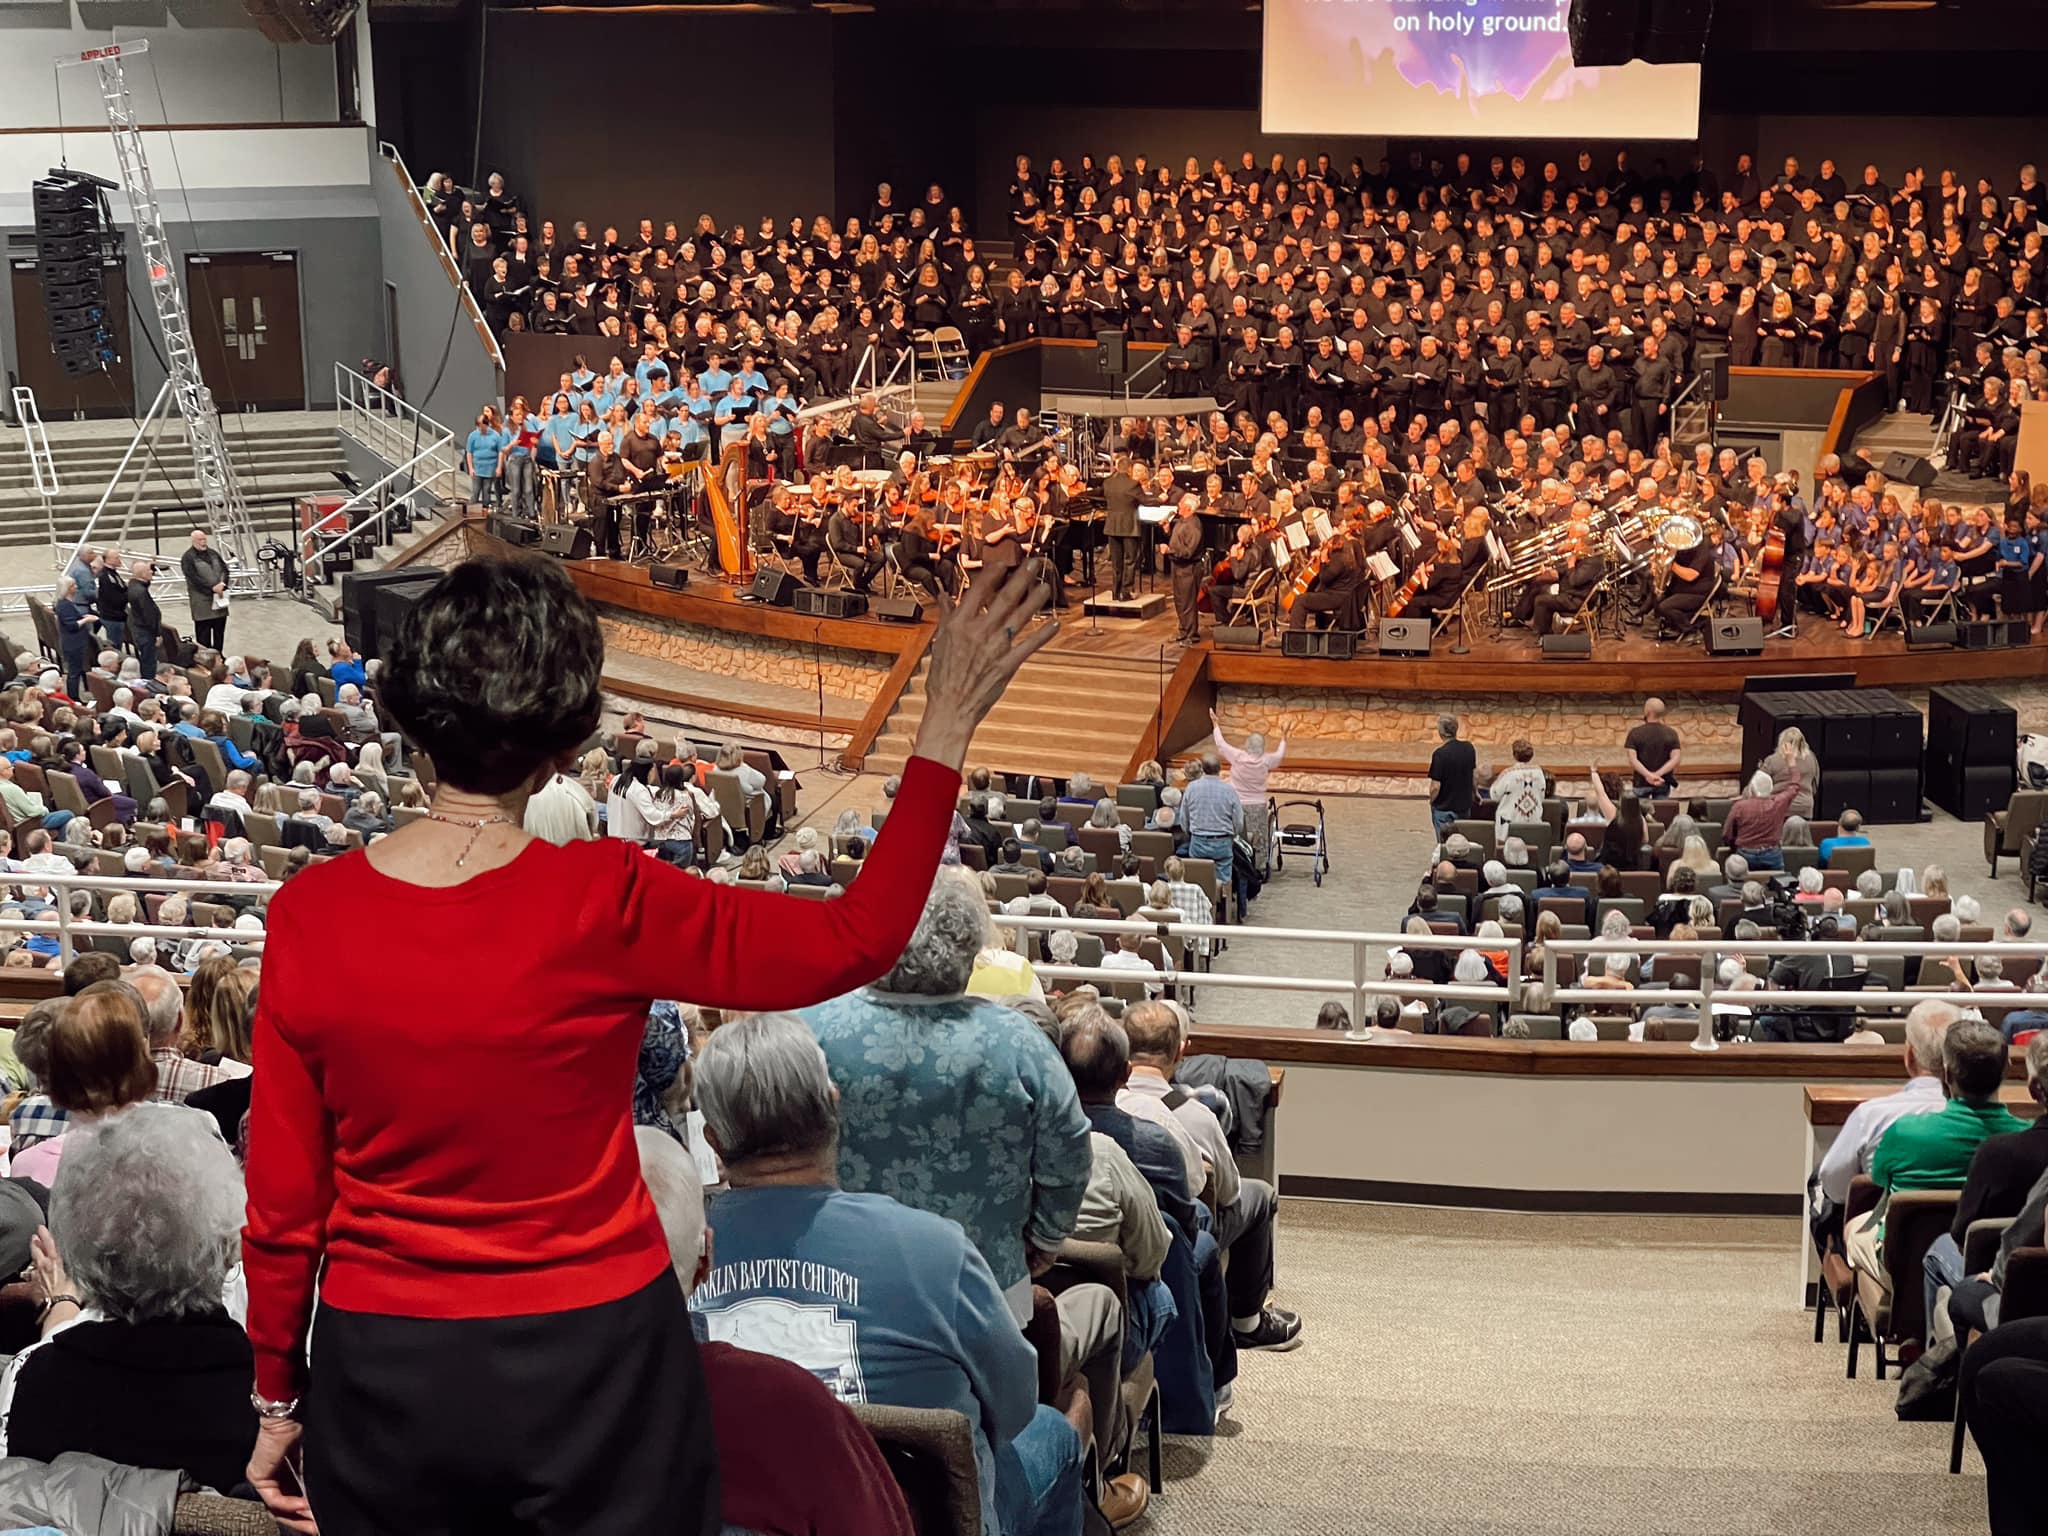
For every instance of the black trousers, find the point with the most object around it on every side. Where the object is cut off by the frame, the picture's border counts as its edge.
(556, 1424)
(1187, 592)
(1681, 608)
(2004, 1390)
(1123, 555)
(208, 633)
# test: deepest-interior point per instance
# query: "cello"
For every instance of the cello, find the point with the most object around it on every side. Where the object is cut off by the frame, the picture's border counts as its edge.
(1768, 540)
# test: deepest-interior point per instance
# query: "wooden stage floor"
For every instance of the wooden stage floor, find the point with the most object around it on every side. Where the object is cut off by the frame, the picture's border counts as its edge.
(1509, 661)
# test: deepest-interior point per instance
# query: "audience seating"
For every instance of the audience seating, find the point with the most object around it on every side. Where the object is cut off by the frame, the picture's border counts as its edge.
(1889, 1309)
(930, 1452)
(2007, 832)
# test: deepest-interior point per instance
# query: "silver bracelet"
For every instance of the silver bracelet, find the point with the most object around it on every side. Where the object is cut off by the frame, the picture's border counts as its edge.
(274, 1408)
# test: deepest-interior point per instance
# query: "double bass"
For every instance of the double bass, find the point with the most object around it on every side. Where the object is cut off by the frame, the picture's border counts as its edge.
(1768, 539)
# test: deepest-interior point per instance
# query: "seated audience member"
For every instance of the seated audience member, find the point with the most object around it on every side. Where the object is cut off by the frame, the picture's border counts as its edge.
(760, 1404)
(1557, 884)
(884, 1303)
(1125, 957)
(2003, 1171)
(1245, 1208)
(1734, 875)
(99, 1066)
(178, 1076)
(947, 1105)
(1851, 1150)
(1196, 1357)
(1578, 857)
(2032, 1014)
(139, 1361)
(230, 1027)
(34, 1117)
(1850, 836)
(1933, 1151)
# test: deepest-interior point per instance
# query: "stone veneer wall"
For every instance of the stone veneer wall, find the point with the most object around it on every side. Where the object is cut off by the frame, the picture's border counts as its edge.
(759, 658)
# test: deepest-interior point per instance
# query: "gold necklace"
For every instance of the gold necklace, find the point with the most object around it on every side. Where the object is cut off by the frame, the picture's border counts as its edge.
(476, 825)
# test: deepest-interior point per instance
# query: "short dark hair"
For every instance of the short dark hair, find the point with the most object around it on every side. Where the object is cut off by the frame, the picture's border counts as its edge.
(1973, 1057)
(1557, 872)
(496, 671)
(84, 970)
(1013, 850)
(1097, 1052)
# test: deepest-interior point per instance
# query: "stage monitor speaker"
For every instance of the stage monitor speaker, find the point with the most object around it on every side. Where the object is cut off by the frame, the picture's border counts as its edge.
(674, 577)
(1237, 637)
(1720, 367)
(897, 610)
(1575, 646)
(1735, 637)
(830, 603)
(1930, 637)
(1404, 637)
(1321, 644)
(564, 539)
(1111, 354)
(775, 588)
(1909, 467)
(1991, 634)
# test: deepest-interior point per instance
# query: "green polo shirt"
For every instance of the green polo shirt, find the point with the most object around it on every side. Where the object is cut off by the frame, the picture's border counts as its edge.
(1934, 1151)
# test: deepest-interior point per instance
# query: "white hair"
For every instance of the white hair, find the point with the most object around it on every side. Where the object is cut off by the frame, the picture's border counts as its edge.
(953, 929)
(1761, 785)
(1966, 909)
(1061, 945)
(148, 1215)
(677, 1190)
(1811, 880)
(1869, 884)
(1946, 928)
(1400, 963)
(1494, 872)
(1471, 968)
(142, 951)
(1616, 964)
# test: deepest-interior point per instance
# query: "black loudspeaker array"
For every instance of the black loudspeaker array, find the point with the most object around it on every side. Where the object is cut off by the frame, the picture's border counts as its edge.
(71, 246)
(1972, 740)
(1869, 742)
(1611, 32)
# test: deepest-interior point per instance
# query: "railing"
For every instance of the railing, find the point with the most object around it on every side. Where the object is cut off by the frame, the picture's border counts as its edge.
(1712, 951)
(69, 929)
(1528, 995)
(42, 464)
(374, 501)
(448, 263)
(393, 428)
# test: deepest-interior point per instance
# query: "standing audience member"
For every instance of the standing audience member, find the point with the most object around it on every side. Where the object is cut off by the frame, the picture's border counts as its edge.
(1654, 753)
(1451, 768)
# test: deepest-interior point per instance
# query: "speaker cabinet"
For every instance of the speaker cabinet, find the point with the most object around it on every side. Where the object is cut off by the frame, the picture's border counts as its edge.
(564, 539)
(1735, 637)
(674, 577)
(775, 588)
(897, 610)
(1576, 646)
(1323, 644)
(821, 603)
(1894, 796)
(1930, 637)
(1111, 352)
(1841, 788)
(1404, 637)
(1991, 634)
(359, 607)
(1237, 637)
(1909, 467)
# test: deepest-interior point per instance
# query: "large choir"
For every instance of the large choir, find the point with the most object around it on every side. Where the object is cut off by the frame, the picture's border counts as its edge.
(1445, 390)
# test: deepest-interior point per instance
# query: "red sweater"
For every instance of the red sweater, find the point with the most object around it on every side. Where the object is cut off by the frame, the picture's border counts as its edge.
(442, 1109)
(762, 1408)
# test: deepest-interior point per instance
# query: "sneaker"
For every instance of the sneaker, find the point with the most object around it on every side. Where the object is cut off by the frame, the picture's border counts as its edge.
(1123, 1500)
(1276, 1331)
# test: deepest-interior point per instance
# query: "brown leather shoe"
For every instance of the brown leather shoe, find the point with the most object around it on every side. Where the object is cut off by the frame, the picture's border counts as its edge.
(1124, 1499)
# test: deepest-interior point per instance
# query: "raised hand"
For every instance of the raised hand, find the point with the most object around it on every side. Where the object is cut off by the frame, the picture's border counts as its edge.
(980, 644)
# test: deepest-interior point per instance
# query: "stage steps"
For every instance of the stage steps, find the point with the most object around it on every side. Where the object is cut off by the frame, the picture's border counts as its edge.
(285, 454)
(1059, 714)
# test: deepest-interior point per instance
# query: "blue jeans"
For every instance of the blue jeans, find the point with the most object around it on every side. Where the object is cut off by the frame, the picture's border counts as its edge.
(1764, 858)
(519, 482)
(1219, 849)
(116, 633)
(679, 851)
(484, 488)
(1148, 1309)
(1038, 1478)
(1943, 1266)
(1441, 822)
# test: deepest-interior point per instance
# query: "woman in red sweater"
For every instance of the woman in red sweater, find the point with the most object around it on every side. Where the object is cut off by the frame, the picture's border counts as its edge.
(441, 1131)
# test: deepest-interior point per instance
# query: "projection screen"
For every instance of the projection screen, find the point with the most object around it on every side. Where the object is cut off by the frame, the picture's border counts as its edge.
(1423, 68)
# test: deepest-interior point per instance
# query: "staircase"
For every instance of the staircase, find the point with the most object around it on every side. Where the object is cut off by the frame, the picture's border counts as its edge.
(1059, 714)
(275, 456)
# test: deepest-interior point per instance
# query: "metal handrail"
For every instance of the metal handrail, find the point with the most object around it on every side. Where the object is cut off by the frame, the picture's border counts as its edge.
(68, 927)
(1712, 951)
(426, 221)
(369, 497)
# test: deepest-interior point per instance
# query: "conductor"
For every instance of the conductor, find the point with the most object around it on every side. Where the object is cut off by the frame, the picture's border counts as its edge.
(1120, 526)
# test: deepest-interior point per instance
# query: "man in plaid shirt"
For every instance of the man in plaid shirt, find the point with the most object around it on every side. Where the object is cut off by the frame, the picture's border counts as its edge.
(177, 1075)
(35, 1118)
(1188, 899)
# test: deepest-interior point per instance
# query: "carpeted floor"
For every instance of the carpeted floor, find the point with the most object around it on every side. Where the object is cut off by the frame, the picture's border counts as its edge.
(1469, 1372)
